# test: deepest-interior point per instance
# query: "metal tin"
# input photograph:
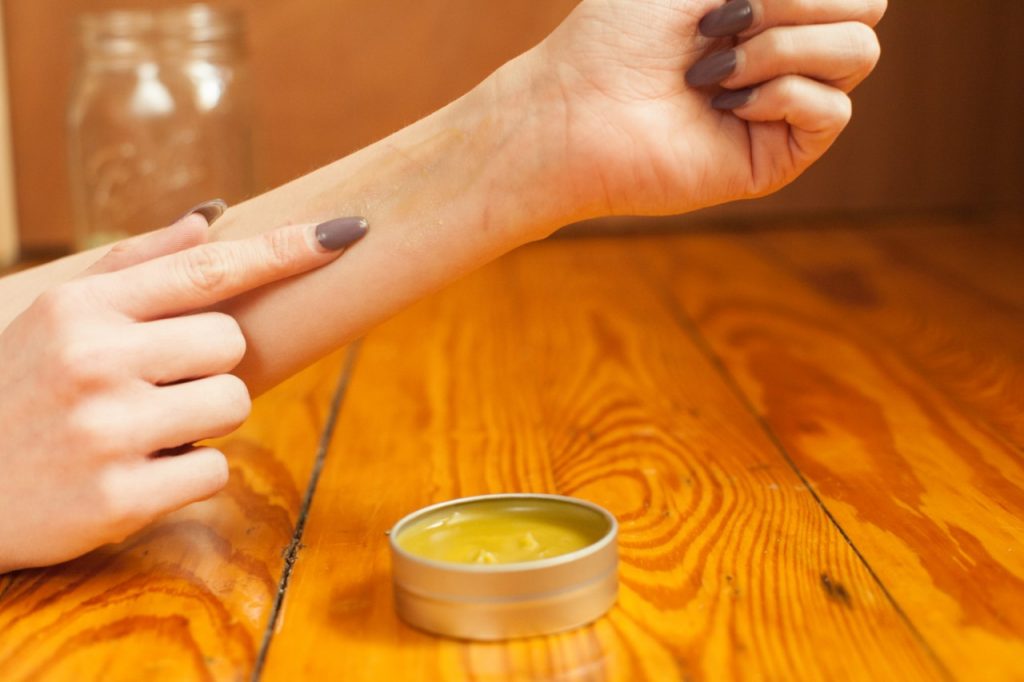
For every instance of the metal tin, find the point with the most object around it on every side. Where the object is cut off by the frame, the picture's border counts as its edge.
(487, 602)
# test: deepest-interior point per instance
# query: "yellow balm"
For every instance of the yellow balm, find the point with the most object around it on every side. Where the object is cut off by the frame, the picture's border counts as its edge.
(502, 531)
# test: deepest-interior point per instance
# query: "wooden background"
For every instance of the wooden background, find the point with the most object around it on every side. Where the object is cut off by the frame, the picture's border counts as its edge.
(8, 237)
(936, 127)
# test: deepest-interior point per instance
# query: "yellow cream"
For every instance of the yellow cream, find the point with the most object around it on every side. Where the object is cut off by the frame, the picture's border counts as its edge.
(502, 531)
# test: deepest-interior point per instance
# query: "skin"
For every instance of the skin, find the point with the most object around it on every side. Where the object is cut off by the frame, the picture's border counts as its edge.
(595, 120)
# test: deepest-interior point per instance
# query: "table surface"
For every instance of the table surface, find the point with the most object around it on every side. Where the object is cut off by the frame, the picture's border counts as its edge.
(812, 437)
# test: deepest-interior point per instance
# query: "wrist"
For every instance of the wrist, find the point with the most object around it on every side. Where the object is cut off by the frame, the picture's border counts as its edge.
(528, 170)
(538, 148)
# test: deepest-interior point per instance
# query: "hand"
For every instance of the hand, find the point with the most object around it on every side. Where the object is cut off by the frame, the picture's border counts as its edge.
(108, 379)
(639, 139)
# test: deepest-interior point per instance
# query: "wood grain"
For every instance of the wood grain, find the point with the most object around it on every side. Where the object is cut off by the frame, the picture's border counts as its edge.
(895, 381)
(951, 303)
(565, 368)
(188, 598)
(676, 380)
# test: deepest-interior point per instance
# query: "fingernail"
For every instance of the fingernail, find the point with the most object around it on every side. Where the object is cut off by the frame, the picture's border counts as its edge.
(211, 210)
(712, 69)
(337, 234)
(728, 20)
(733, 99)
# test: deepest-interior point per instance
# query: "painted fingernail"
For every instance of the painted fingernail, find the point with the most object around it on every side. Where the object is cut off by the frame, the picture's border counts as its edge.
(337, 234)
(712, 69)
(733, 99)
(731, 18)
(211, 210)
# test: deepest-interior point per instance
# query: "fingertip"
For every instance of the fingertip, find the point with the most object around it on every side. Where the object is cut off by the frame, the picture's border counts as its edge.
(209, 211)
(191, 230)
(194, 228)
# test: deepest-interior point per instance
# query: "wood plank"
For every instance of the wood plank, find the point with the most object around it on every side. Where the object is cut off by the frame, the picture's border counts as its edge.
(188, 598)
(952, 298)
(898, 395)
(985, 259)
(563, 368)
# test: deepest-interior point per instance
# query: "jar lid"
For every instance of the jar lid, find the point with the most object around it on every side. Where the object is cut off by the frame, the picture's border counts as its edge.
(497, 567)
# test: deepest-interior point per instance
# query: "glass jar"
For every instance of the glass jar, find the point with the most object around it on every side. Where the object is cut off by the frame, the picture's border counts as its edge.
(158, 118)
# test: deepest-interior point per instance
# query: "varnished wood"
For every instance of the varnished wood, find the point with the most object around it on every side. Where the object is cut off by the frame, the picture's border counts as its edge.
(188, 598)
(565, 368)
(951, 303)
(811, 437)
(891, 370)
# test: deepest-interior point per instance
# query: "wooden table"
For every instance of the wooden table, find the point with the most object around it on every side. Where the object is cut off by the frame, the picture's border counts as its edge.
(812, 436)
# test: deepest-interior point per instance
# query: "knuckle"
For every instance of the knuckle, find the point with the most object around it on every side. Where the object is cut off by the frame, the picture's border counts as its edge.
(228, 333)
(278, 247)
(874, 50)
(89, 433)
(842, 110)
(58, 306)
(236, 399)
(82, 364)
(206, 269)
(122, 249)
(780, 45)
(219, 472)
(788, 87)
(863, 42)
(121, 511)
(875, 10)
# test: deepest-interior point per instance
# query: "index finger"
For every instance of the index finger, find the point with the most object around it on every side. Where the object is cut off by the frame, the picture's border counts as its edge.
(212, 272)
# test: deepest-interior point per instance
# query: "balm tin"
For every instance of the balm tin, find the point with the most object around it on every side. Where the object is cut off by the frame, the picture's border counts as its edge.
(496, 601)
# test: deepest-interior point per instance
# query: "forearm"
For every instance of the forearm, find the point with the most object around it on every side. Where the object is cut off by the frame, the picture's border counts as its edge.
(442, 196)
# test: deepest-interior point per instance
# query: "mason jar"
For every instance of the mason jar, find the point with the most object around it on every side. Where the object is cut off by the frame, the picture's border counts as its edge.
(158, 118)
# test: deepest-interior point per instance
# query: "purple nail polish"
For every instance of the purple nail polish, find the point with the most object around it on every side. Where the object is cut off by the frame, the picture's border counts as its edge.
(340, 233)
(211, 210)
(733, 99)
(731, 18)
(712, 69)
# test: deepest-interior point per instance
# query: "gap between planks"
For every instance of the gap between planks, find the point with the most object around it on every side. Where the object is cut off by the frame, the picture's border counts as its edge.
(291, 552)
(691, 329)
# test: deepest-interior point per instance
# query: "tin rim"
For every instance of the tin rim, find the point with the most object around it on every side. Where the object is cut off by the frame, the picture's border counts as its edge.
(513, 567)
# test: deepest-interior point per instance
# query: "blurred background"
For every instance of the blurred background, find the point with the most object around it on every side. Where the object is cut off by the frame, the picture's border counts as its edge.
(939, 127)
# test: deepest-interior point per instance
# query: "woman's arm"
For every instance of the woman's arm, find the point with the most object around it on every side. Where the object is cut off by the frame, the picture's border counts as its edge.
(596, 120)
(443, 196)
